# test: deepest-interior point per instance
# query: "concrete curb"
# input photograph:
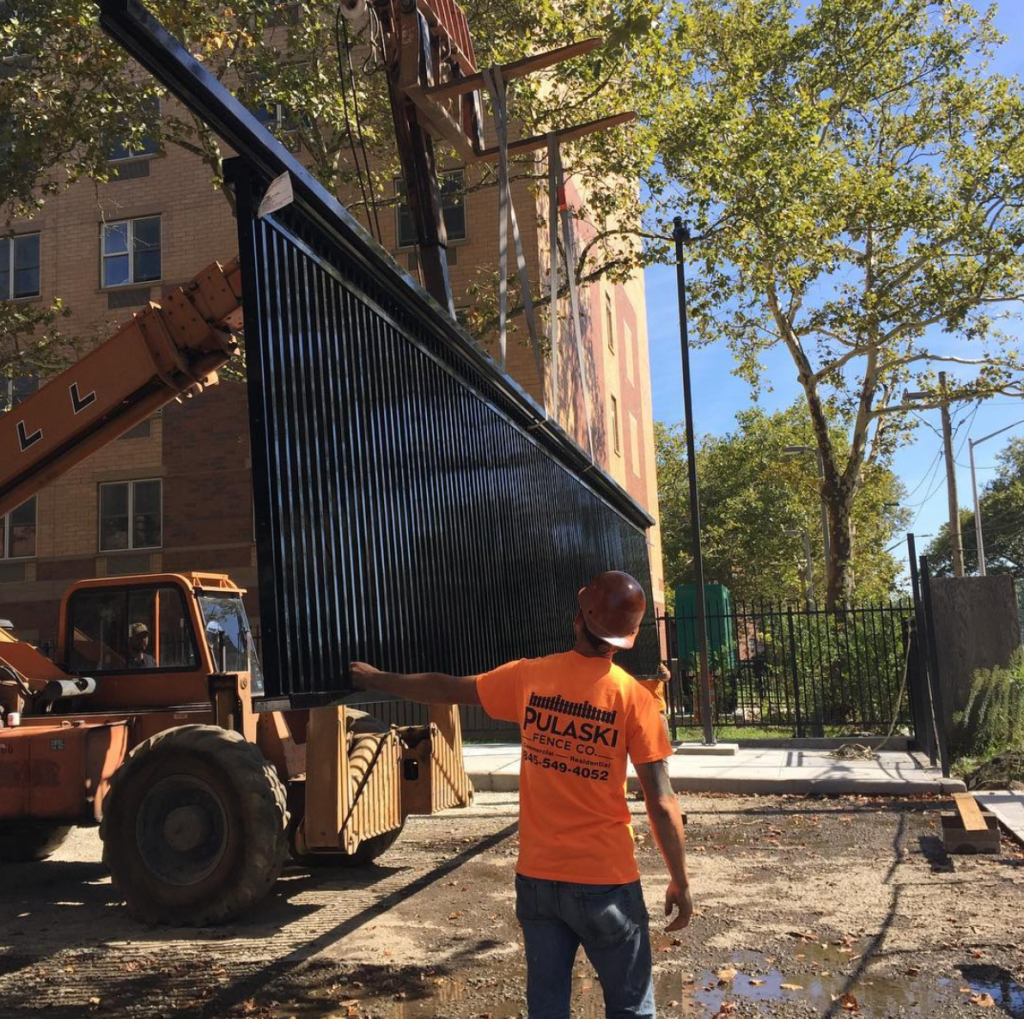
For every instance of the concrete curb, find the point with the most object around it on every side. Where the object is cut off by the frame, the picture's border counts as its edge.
(508, 782)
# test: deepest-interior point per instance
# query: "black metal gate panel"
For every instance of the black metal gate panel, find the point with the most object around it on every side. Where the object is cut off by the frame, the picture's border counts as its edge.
(406, 514)
(414, 507)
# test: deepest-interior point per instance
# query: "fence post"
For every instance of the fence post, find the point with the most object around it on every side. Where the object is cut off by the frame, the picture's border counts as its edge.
(796, 677)
(933, 668)
(920, 690)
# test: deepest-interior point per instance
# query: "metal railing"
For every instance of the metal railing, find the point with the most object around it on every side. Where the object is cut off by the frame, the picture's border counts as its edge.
(804, 672)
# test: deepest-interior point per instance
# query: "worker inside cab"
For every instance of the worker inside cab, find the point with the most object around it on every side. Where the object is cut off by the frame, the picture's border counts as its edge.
(138, 647)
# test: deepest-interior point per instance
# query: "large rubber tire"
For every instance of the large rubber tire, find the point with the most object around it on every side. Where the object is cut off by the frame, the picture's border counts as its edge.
(194, 827)
(369, 849)
(30, 841)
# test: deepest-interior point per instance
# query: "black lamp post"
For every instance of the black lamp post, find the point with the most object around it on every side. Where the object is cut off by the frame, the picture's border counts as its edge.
(681, 234)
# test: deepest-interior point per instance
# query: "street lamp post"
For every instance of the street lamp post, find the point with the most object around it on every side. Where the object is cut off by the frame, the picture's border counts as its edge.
(793, 451)
(978, 535)
(681, 234)
(801, 532)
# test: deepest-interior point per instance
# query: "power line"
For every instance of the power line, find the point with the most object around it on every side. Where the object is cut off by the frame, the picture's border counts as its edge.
(926, 499)
(917, 487)
(970, 424)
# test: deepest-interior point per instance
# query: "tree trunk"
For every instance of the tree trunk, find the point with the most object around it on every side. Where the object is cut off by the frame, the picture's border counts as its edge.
(839, 575)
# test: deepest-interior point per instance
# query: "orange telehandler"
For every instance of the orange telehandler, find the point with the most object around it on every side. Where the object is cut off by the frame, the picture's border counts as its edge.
(146, 720)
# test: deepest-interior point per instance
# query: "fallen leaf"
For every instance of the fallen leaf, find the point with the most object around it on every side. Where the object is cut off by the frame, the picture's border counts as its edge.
(826, 973)
(94, 1000)
(673, 1004)
(983, 1000)
(913, 971)
(806, 935)
(757, 983)
(977, 953)
(966, 990)
(727, 1008)
(800, 955)
(791, 987)
(847, 1002)
(725, 975)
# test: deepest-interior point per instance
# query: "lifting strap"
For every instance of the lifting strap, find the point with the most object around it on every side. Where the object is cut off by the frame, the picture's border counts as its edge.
(506, 211)
(553, 203)
(556, 184)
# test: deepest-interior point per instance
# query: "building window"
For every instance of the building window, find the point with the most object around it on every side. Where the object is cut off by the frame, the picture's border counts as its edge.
(131, 515)
(19, 267)
(131, 251)
(627, 348)
(279, 120)
(14, 391)
(616, 441)
(609, 320)
(453, 208)
(18, 532)
(146, 146)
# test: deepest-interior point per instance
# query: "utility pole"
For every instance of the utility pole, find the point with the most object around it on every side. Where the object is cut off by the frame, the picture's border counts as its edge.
(681, 234)
(956, 542)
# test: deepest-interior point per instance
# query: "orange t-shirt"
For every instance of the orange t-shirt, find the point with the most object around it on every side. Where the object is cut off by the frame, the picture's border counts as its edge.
(656, 688)
(579, 719)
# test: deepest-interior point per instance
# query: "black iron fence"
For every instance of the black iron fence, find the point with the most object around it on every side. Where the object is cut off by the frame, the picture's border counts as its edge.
(805, 672)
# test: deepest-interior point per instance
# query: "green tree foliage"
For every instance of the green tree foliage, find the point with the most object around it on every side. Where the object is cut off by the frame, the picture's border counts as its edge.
(854, 176)
(69, 95)
(1002, 516)
(993, 718)
(752, 493)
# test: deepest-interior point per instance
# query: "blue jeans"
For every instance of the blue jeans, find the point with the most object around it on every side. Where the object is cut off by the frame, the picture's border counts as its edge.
(609, 921)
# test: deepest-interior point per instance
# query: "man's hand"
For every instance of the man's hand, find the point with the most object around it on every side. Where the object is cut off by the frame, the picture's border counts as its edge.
(362, 675)
(677, 897)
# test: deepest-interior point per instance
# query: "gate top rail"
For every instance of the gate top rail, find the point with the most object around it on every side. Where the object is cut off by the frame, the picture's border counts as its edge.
(160, 53)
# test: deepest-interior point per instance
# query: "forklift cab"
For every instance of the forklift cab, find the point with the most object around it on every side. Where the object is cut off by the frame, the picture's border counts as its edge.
(152, 641)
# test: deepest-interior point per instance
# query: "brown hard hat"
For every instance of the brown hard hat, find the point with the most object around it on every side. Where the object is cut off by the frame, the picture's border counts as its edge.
(613, 604)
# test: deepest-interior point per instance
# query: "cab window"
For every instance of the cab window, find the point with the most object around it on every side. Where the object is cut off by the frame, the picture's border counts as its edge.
(130, 630)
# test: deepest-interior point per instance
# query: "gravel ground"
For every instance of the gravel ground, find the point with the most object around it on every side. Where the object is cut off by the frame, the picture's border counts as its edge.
(806, 907)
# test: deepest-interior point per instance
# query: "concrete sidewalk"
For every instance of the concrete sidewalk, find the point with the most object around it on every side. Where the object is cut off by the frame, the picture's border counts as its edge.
(495, 768)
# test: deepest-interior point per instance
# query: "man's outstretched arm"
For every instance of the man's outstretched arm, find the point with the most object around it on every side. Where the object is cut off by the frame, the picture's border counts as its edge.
(667, 824)
(422, 687)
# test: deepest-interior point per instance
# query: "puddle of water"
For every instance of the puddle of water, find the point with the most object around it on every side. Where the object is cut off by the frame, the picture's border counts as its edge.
(822, 976)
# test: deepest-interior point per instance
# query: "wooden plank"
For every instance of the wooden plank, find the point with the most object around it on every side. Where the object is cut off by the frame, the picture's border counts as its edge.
(441, 123)
(970, 812)
(516, 69)
(567, 134)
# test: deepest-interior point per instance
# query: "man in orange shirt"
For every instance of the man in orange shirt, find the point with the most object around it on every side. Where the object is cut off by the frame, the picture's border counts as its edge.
(577, 880)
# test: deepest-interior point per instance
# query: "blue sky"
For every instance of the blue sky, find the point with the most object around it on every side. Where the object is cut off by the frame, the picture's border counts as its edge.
(718, 395)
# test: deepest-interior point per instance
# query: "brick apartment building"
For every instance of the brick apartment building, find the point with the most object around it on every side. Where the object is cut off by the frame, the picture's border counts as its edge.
(175, 493)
